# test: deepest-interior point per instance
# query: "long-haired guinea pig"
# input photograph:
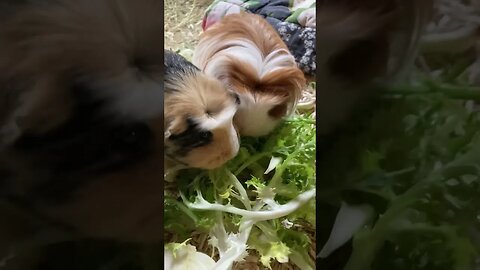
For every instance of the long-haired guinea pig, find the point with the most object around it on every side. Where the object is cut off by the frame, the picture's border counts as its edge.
(359, 41)
(81, 116)
(199, 111)
(246, 53)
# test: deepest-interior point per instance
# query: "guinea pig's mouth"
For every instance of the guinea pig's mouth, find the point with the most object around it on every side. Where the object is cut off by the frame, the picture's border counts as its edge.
(207, 163)
(202, 146)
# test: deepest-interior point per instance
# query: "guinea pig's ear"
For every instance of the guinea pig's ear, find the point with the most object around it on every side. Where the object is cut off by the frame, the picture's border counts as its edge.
(36, 108)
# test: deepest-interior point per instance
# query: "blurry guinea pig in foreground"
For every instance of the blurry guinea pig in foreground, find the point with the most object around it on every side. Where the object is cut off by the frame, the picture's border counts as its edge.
(81, 118)
(246, 53)
(199, 111)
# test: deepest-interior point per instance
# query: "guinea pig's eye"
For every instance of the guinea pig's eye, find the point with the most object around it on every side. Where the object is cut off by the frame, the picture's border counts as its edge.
(205, 135)
(191, 138)
(237, 99)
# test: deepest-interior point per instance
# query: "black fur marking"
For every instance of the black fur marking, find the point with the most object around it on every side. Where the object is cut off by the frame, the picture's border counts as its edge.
(176, 67)
(89, 140)
(191, 138)
(146, 67)
(237, 98)
(87, 145)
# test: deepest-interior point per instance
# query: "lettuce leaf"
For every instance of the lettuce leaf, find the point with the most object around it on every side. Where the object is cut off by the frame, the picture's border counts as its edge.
(270, 181)
(416, 161)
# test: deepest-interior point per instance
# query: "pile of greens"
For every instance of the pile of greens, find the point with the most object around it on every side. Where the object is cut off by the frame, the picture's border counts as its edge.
(401, 189)
(261, 202)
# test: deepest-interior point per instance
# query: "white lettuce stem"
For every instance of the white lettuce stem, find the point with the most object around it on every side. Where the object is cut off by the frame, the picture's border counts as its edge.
(367, 246)
(231, 251)
(282, 210)
(243, 193)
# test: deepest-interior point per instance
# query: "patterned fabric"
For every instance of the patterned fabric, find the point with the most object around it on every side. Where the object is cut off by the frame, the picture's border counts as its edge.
(294, 20)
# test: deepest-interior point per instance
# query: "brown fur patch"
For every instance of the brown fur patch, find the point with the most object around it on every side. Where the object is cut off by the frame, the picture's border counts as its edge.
(199, 97)
(285, 83)
(249, 26)
(213, 155)
(52, 42)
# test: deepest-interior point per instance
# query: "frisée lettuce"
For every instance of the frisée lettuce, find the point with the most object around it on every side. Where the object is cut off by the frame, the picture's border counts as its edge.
(409, 177)
(261, 202)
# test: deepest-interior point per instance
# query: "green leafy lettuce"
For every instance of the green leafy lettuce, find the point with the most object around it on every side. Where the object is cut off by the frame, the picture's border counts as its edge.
(262, 201)
(416, 162)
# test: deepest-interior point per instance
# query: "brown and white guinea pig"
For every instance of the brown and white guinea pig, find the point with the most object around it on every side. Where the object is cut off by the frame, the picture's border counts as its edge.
(81, 117)
(199, 111)
(246, 53)
(359, 41)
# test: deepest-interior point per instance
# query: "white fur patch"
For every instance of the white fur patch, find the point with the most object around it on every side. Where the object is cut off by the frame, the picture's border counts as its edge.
(252, 118)
(245, 51)
(223, 119)
(234, 138)
(277, 59)
(132, 96)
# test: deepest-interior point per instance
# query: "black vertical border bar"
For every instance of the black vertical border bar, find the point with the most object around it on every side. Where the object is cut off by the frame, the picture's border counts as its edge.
(317, 119)
(162, 146)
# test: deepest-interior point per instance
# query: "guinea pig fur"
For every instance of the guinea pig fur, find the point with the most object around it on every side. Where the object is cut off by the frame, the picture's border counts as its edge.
(246, 53)
(81, 116)
(199, 111)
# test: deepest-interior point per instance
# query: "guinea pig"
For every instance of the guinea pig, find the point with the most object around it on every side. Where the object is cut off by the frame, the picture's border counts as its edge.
(246, 53)
(81, 117)
(199, 111)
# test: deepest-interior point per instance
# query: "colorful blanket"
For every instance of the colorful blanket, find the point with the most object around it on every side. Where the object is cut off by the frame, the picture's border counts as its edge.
(294, 20)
